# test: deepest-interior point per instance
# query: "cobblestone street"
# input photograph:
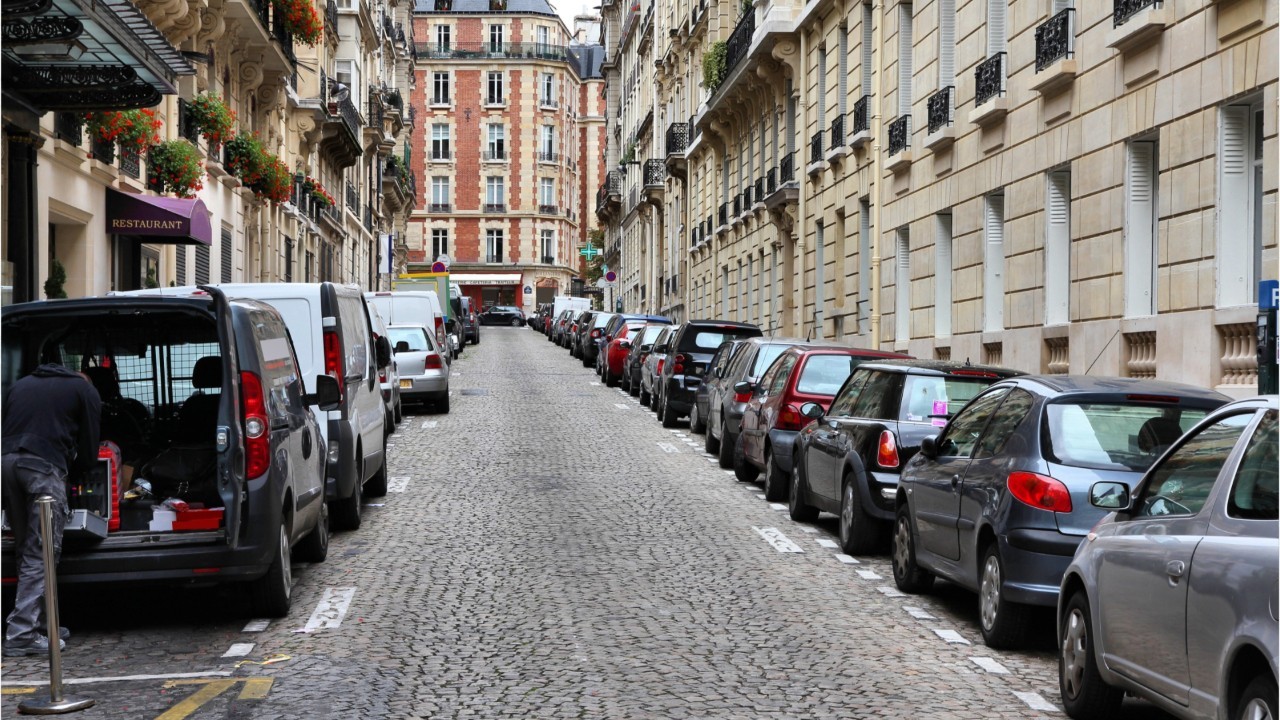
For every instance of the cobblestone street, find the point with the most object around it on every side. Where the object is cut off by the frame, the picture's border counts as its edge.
(547, 550)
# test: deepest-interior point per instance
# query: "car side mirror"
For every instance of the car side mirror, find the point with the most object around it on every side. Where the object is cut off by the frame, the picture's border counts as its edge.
(327, 396)
(646, 348)
(624, 345)
(383, 349)
(717, 372)
(811, 410)
(743, 387)
(1110, 496)
(661, 348)
(402, 346)
(929, 446)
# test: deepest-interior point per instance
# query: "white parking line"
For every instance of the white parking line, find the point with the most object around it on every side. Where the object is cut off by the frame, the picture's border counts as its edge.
(429, 424)
(1035, 702)
(890, 592)
(728, 472)
(256, 626)
(712, 460)
(128, 678)
(397, 484)
(760, 495)
(827, 543)
(777, 506)
(991, 666)
(331, 609)
(675, 432)
(668, 447)
(239, 650)
(870, 575)
(918, 613)
(810, 530)
(779, 541)
(595, 384)
(950, 636)
(622, 406)
(847, 560)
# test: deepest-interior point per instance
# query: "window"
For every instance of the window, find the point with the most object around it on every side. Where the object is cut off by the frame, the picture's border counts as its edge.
(547, 239)
(547, 192)
(1181, 484)
(548, 89)
(946, 43)
(1140, 218)
(961, 435)
(548, 142)
(439, 193)
(905, 49)
(493, 245)
(1006, 420)
(864, 263)
(408, 339)
(439, 242)
(496, 95)
(902, 286)
(1057, 248)
(544, 37)
(935, 398)
(824, 374)
(496, 39)
(440, 141)
(288, 263)
(724, 289)
(993, 263)
(444, 39)
(1113, 436)
(1254, 490)
(440, 88)
(776, 379)
(942, 277)
(497, 142)
(495, 191)
(874, 394)
(1240, 184)
(842, 405)
(347, 72)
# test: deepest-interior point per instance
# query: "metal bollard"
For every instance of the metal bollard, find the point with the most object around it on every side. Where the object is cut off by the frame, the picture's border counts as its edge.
(54, 703)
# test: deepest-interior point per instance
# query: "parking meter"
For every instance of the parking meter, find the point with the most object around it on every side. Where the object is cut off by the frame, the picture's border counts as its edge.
(1268, 377)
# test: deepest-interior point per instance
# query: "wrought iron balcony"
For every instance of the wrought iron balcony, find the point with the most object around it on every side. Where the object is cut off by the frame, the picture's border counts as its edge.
(486, 50)
(861, 118)
(1055, 39)
(548, 209)
(677, 138)
(331, 14)
(655, 173)
(787, 169)
(130, 163)
(899, 134)
(758, 193)
(941, 107)
(989, 79)
(837, 132)
(548, 156)
(771, 180)
(739, 42)
(440, 208)
(350, 117)
(353, 198)
(724, 214)
(737, 205)
(495, 207)
(815, 148)
(493, 155)
(69, 127)
(548, 259)
(1122, 10)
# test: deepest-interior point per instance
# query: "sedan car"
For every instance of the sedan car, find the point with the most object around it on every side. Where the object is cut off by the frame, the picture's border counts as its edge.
(641, 345)
(1174, 596)
(691, 350)
(502, 315)
(651, 370)
(424, 369)
(999, 502)
(849, 460)
(723, 405)
(589, 340)
(618, 349)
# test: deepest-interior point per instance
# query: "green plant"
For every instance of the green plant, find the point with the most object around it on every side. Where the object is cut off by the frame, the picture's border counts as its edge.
(264, 173)
(595, 266)
(133, 130)
(713, 65)
(211, 116)
(630, 154)
(744, 8)
(151, 281)
(301, 19)
(174, 166)
(53, 285)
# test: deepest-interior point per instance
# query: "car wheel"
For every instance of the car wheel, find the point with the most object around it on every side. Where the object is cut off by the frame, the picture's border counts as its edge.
(399, 414)
(696, 423)
(271, 594)
(710, 444)
(656, 404)
(727, 443)
(775, 481)
(442, 403)
(609, 379)
(515, 322)
(1003, 623)
(476, 339)
(798, 509)
(742, 467)
(1258, 701)
(669, 418)
(624, 382)
(644, 396)
(907, 575)
(858, 532)
(377, 485)
(346, 512)
(634, 386)
(1084, 693)
(315, 546)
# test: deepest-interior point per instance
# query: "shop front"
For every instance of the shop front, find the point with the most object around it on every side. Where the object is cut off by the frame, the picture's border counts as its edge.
(140, 223)
(489, 289)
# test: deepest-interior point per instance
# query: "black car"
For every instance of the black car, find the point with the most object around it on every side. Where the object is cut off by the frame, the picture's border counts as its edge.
(718, 407)
(589, 339)
(579, 325)
(639, 349)
(848, 462)
(202, 401)
(502, 315)
(470, 321)
(690, 350)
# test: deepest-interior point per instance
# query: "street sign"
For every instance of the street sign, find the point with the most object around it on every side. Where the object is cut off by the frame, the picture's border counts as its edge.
(1268, 294)
(611, 276)
(438, 266)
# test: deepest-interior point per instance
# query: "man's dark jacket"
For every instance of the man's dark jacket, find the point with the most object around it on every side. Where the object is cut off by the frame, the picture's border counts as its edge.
(53, 413)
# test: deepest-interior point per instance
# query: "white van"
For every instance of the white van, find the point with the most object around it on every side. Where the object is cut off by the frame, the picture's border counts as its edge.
(565, 302)
(413, 307)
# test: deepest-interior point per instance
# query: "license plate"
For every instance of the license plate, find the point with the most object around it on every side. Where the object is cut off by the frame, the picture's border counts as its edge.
(406, 383)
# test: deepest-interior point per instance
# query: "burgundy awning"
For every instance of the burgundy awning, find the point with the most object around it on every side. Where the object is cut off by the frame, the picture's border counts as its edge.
(159, 219)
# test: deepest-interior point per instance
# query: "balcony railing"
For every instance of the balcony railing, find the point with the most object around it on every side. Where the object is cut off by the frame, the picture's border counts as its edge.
(1055, 39)
(758, 193)
(494, 155)
(787, 169)
(353, 198)
(548, 259)
(739, 42)
(677, 138)
(941, 107)
(655, 173)
(549, 209)
(69, 127)
(440, 208)
(368, 218)
(350, 118)
(130, 163)
(724, 214)
(1122, 10)
(485, 50)
(548, 156)
(331, 14)
(815, 148)
(771, 180)
(837, 132)
(899, 134)
(548, 102)
(989, 79)
(861, 119)
(495, 207)
(737, 205)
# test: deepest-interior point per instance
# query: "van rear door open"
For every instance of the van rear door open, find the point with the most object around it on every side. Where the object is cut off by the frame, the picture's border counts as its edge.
(230, 450)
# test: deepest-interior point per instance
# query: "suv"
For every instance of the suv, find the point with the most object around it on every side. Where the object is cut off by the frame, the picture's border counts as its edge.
(203, 397)
(691, 349)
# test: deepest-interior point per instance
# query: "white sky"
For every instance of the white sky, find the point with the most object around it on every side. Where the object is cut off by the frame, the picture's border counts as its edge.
(569, 8)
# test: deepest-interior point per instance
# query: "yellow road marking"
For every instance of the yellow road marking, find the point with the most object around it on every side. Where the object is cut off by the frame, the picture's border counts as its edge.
(253, 689)
(17, 690)
(256, 688)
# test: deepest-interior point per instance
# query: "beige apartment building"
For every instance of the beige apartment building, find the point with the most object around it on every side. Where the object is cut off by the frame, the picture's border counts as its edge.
(1051, 187)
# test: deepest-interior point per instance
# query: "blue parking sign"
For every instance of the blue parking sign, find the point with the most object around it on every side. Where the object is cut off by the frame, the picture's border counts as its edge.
(1268, 294)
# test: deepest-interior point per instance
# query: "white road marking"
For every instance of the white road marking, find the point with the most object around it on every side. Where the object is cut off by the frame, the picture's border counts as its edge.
(622, 406)
(847, 560)
(429, 424)
(668, 448)
(950, 636)
(827, 543)
(1035, 702)
(760, 495)
(777, 506)
(331, 609)
(595, 384)
(729, 472)
(918, 613)
(397, 484)
(712, 460)
(239, 650)
(256, 626)
(128, 678)
(991, 666)
(890, 592)
(675, 432)
(810, 530)
(870, 575)
(780, 542)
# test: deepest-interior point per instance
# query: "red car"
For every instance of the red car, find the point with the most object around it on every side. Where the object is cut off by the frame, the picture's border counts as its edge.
(772, 420)
(617, 349)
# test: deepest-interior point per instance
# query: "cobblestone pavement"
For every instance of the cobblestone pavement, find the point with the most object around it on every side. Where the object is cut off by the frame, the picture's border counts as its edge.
(549, 551)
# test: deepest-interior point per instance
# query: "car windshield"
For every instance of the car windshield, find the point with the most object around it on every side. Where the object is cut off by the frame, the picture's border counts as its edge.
(708, 339)
(407, 339)
(1114, 436)
(767, 355)
(824, 374)
(935, 398)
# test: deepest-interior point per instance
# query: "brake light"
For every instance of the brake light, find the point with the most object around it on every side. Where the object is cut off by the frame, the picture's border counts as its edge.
(742, 397)
(887, 450)
(440, 329)
(679, 366)
(1040, 491)
(434, 362)
(332, 360)
(382, 376)
(257, 443)
(1153, 399)
(790, 418)
(661, 362)
(595, 333)
(975, 373)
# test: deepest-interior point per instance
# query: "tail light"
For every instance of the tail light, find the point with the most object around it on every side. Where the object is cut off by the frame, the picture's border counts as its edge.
(595, 333)
(108, 452)
(382, 376)
(434, 362)
(887, 450)
(790, 418)
(678, 368)
(661, 362)
(1040, 491)
(742, 397)
(257, 442)
(333, 360)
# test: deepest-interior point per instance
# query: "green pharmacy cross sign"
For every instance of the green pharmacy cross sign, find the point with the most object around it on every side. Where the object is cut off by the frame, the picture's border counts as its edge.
(589, 252)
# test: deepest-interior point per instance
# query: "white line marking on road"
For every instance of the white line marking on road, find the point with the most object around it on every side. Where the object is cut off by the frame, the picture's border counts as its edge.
(847, 560)
(397, 484)
(950, 636)
(991, 666)
(712, 460)
(1035, 702)
(918, 613)
(810, 530)
(827, 543)
(728, 472)
(890, 592)
(780, 542)
(760, 495)
(675, 432)
(870, 575)
(427, 425)
(595, 384)
(126, 678)
(622, 406)
(668, 448)
(331, 609)
(777, 506)
(256, 626)
(239, 650)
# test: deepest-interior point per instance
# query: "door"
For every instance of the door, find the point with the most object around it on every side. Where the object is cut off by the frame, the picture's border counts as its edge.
(230, 447)
(757, 417)
(824, 460)
(985, 480)
(1142, 566)
(935, 482)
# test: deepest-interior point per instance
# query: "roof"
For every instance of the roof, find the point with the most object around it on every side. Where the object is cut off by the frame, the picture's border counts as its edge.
(589, 60)
(514, 7)
(939, 367)
(1101, 385)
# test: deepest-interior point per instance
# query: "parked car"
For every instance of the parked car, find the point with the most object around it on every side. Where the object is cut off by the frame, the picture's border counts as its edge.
(611, 333)
(1174, 597)
(535, 321)
(555, 333)
(424, 369)
(414, 307)
(848, 461)
(691, 348)
(579, 325)
(589, 340)
(722, 406)
(502, 315)
(470, 322)
(620, 338)
(388, 377)
(999, 502)
(216, 414)
(641, 344)
(771, 419)
(651, 369)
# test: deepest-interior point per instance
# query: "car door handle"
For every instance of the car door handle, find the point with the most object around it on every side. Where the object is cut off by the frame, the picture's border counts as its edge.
(955, 480)
(1175, 568)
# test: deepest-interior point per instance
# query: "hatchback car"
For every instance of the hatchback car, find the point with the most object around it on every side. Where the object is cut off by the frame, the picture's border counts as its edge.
(651, 370)
(848, 461)
(1174, 596)
(999, 502)
(424, 369)
(590, 339)
(724, 404)
(691, 349)
(641, 345)
(618, 348)
(502, 315)
(580, 324)
(556, 331)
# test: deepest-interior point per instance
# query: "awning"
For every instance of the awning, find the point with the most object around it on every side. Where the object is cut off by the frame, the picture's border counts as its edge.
(482, 279)
(160, 219)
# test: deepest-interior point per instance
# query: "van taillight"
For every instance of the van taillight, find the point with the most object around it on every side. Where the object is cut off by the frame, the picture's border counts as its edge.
(382, 376)
(434, 362)
(790, 418)
(257, 441)
(887, 450)
(333, 359)
(678, 368)
(1040, 491)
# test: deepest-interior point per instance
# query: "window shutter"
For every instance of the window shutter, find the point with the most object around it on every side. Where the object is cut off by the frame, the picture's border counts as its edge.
(1235, 241)
(820, 277)
(996, 12)
(181, 263)
(868, 41)
(1059, 6)
(942, 278)
(946, 43)
(864, 262)
(227, 255)
(844, 68)
(202, 265)
(1140, 198)
(1057, 249)
(904, 59)
(993, 265)
(902, 287)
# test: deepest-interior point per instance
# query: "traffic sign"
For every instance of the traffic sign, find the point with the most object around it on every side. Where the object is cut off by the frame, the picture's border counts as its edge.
(611, 276)
(1268, 294)
(438, 266)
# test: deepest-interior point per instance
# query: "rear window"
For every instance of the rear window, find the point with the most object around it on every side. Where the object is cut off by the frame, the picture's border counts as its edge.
(934, 398)
(710, 338)
(1114, 436)
(413, 338)
(650, 334)
(765, 358)
(601, 320)
(824, 374)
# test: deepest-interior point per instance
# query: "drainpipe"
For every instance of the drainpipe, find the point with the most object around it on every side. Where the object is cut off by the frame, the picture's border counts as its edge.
(799, 168)
(877, 167)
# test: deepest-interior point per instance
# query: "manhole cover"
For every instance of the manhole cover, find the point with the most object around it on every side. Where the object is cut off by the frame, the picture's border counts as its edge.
(476, 391)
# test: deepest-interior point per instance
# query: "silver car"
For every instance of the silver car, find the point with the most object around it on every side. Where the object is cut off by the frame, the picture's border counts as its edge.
(388, 377)
(1174, 596)
(423, 367)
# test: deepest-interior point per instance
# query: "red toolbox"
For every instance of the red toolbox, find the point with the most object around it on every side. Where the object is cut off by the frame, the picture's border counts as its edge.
(210, 519)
